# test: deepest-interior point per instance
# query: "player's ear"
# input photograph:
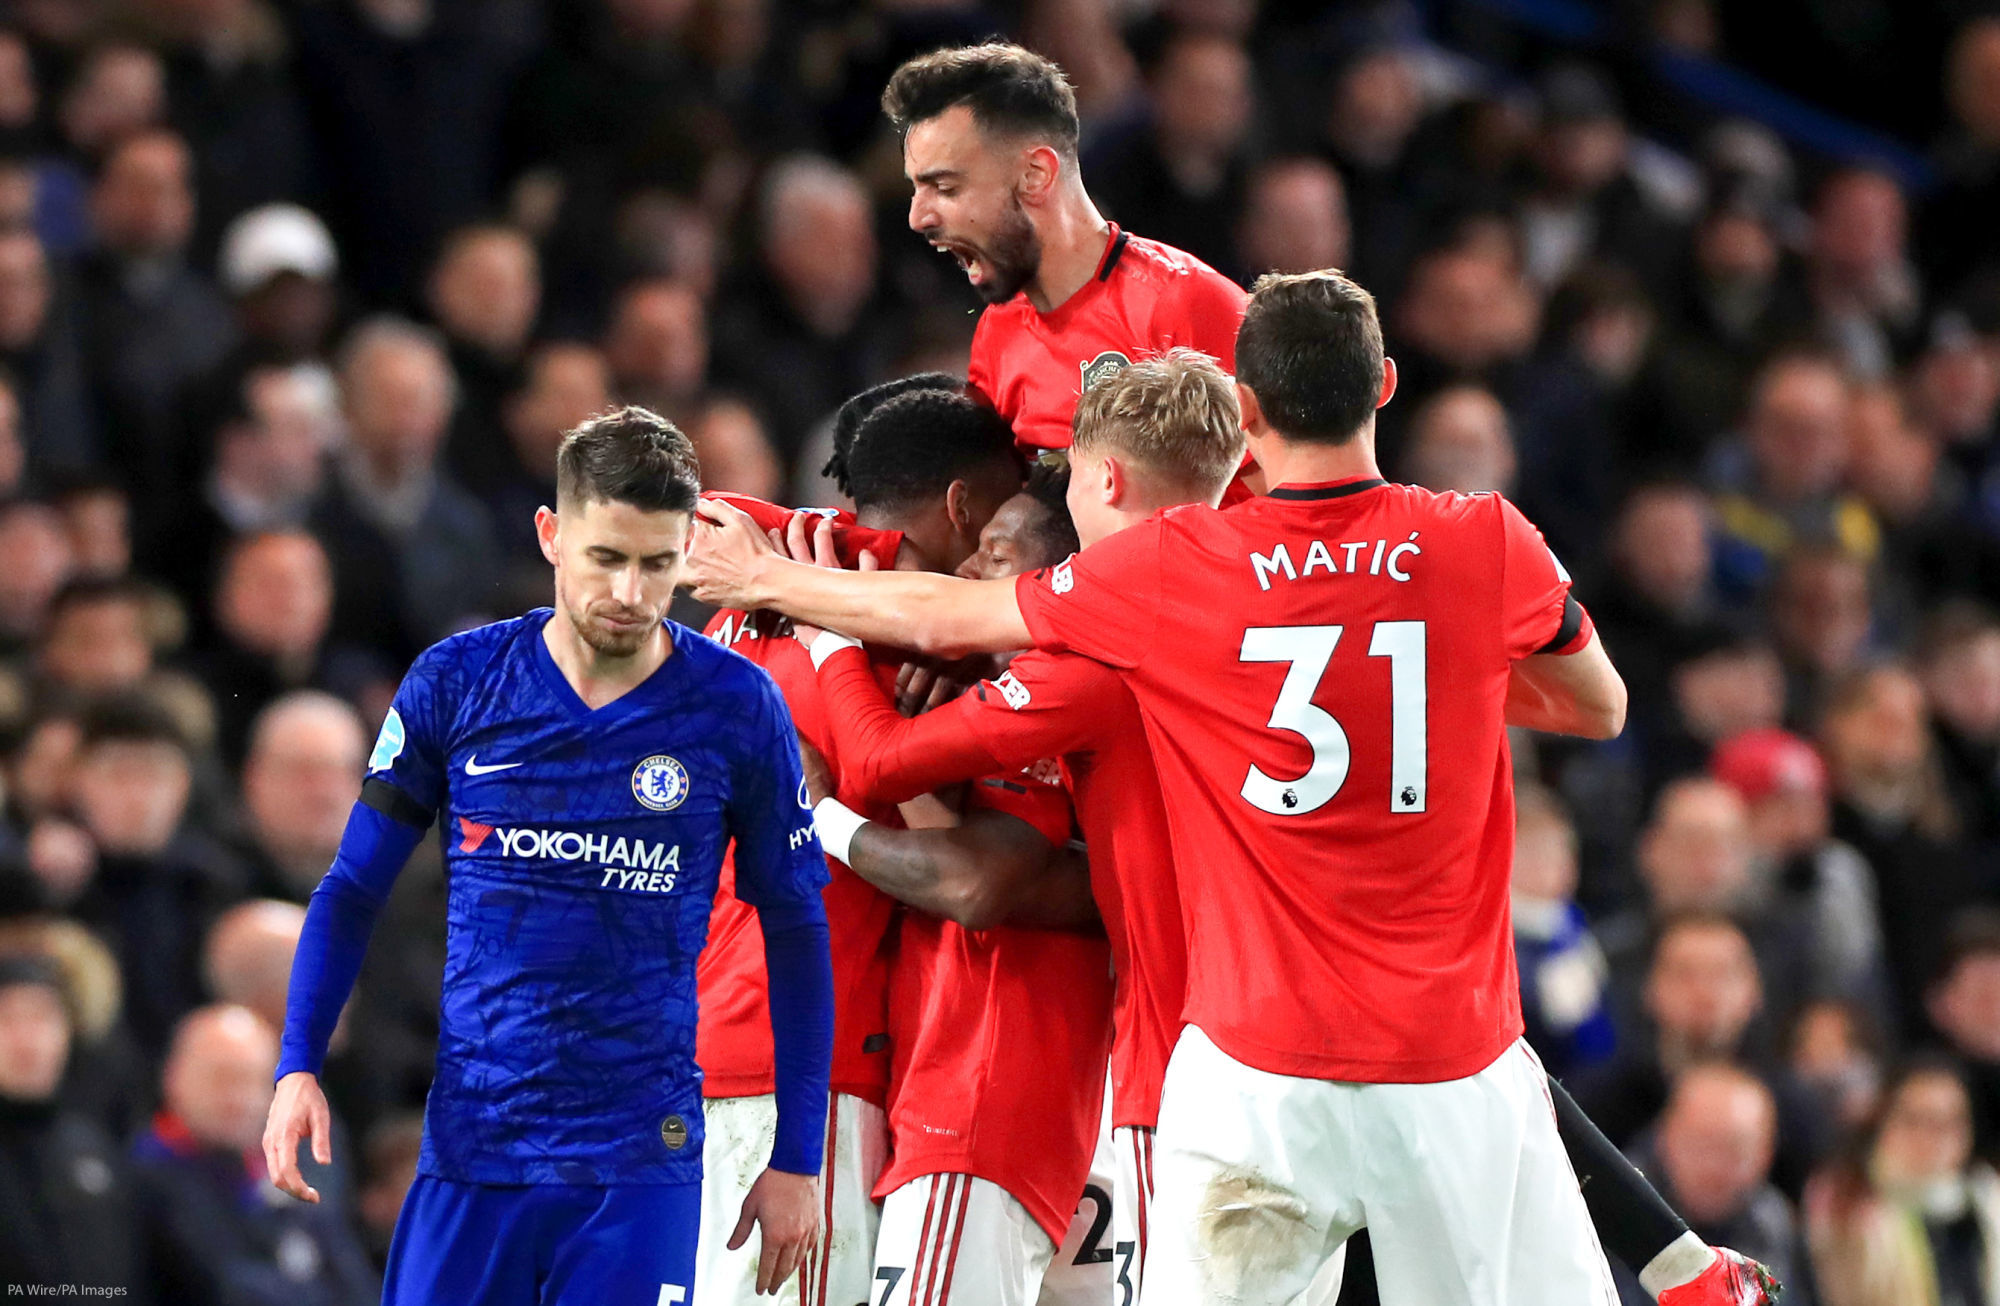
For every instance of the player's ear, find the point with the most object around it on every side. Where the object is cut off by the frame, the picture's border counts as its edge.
(1250, 412)
(1115, 481)
(545, 531)
(1388, 380)
(1041, 169)
(958, 504)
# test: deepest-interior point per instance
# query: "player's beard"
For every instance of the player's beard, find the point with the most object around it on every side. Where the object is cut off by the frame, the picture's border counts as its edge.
(1012, 258)
(609, 640)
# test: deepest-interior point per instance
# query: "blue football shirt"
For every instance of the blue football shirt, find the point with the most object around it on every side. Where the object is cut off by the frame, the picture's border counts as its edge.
(582, 849)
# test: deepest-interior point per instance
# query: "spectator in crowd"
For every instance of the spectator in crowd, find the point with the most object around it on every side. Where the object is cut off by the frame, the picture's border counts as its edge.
(1565, 995)
(1460, 441)
(230, 90)
(267, 467)
(98, 515)
(1468, 317)
(1582, 201)
(1891, 806)
(1710, 1156)
(803, 332)
(298, 787)
(39, 768)
(118, 91)
(67, 1208)
(157, 882)
(1909, 1217)
(1656, 604)
(1815, 877)
(1964, 1006)
(1866, 296)
(1182, 179)
(1783, 483)
(13, 444)
(35, 562)
(1294, 218)
(1369, 125)
(1837, 1057)
(150, 322)
(1960, 664)
(274, 628)
(246, 961)
(434, 80)
(201, 1167)
(1955, 245)
(657, 346)
(484, 293)
(1898, 469)
(97, 640)
(564, 383)
(1822, 612)
(278, 264)
(412, 551)
(42, 350)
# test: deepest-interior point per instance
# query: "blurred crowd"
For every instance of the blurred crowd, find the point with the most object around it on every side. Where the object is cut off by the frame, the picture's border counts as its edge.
(296, 300)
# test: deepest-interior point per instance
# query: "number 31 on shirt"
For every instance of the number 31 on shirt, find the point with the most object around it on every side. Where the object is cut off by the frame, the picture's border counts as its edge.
(1308, 650)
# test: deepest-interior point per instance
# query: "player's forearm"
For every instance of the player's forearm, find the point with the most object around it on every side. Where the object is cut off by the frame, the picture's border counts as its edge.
(986, 872)
(334, 939)
(886, 757)
(799, 967)
(944, 616)
(1577, 693)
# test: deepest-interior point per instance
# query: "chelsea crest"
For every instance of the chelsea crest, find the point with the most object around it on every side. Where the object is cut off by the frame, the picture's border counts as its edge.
(660, 782)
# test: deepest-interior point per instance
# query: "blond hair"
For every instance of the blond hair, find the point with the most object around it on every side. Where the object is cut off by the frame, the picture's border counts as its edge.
(1174, 415)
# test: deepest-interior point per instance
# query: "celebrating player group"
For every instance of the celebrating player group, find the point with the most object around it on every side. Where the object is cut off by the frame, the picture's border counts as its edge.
(1166, 955)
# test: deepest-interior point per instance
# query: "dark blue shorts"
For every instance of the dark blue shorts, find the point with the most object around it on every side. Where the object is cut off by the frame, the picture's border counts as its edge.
(543, 1245)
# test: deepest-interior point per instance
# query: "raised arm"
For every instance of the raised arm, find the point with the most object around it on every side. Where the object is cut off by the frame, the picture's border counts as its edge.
(733, 565)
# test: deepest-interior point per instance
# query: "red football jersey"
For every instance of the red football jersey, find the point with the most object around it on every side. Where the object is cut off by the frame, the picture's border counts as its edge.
(1323, 674)
(733, 1037)
(1146, 298)
(1000, 1041)
(1051, 705)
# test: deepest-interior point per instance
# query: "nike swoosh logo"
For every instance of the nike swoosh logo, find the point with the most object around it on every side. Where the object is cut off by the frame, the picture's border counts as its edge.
(472, 766)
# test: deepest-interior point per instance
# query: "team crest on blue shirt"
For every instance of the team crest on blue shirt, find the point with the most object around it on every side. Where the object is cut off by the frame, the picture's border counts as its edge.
(660, 782)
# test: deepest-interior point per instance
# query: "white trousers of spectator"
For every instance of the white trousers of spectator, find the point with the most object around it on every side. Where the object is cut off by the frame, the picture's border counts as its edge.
(1464, 1187)
(837, 1270)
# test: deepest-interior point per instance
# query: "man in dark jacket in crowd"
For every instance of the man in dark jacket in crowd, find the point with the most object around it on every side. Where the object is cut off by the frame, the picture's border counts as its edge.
(67, 1214)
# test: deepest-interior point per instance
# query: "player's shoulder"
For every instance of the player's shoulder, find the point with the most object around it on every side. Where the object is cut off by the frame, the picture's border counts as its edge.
(1154, 261)
(468, 652)
(725, 674)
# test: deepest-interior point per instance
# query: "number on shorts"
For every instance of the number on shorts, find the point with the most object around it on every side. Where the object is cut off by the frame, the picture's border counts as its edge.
(888, 1276)
(1126, 1250)
(1308, 650)
(1091, 1253)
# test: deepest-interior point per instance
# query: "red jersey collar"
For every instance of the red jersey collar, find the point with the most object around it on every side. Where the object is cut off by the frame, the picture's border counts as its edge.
(1114, 250)
(1326, 489)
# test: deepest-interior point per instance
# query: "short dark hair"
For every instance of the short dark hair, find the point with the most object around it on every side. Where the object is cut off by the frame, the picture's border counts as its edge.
(1048, 486)
(131, 718)
(912, 447)
(86, 591)
(1010, 90)
(1310, 349)
(628, 455)
(855, 411)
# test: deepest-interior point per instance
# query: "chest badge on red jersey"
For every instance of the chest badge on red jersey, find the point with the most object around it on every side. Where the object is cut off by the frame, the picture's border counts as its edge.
(1105, 364)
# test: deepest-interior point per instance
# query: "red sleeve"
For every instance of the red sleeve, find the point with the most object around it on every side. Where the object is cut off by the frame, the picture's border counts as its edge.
(1211, 313)
(1537, 612)
(1038, 709)
(1103, 602)
(1044, 806)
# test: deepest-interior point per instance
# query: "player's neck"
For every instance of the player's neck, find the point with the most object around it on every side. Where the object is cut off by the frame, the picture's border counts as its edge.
(1301, 462)
(598, 677)
(1073, 235)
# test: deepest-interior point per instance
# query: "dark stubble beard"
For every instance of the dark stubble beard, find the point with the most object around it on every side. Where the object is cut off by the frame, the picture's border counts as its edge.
(1013, 258)
(604, 640)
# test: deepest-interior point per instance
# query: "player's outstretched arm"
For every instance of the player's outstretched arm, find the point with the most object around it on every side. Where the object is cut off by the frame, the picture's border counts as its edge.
(1578, 693)
(991, 869)
(733, 565)
(332, 943)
